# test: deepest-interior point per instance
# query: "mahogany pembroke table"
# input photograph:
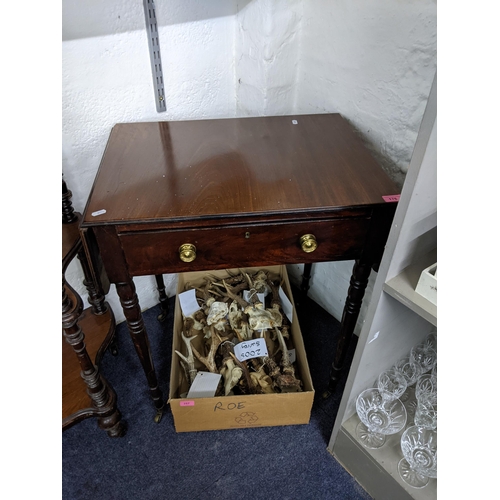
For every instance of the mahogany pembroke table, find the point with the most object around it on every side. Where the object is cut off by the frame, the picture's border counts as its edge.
(177, 196)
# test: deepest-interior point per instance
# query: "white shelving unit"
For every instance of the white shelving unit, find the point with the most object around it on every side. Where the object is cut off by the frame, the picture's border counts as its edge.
(397, 319)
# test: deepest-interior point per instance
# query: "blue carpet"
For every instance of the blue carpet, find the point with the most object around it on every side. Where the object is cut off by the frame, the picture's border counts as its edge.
(152, 461)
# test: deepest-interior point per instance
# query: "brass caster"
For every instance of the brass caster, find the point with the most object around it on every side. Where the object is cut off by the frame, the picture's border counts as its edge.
(162, 317)
(158, 416)
(326, 394)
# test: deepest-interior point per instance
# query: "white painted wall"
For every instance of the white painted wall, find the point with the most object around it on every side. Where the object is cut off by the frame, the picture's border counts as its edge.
(372, 62)
(267, 57)
(107, 79)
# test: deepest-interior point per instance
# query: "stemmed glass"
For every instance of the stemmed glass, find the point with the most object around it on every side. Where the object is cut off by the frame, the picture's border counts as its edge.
(419, 447)
(424, 355)
(426, 388)
(379, 418)
(431, 340)
(426, 414)
(391, 384)
(434, 371)
(410, 371)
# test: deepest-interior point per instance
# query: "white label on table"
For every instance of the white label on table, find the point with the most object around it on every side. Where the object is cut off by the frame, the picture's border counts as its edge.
(99, 212)
(249, 349)
(286, 305)
(295, 122)
(189, 303)
(260, 296)
(204, 385)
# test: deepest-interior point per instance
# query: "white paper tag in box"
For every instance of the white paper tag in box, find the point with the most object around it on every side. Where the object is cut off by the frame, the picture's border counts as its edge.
(427, 284)
(204, 385)
(286, 305)
(249, 349)
(189, 303)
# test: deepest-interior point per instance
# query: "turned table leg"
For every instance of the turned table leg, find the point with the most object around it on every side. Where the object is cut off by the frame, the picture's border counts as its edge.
(102, 396)
(163, 297)
(358, 283)
(97, 299)
(306, 277)
(133, 316)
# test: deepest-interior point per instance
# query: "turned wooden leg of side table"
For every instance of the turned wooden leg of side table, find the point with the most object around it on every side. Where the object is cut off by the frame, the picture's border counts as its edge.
(135, 323)
(102, 396)
(96, 299)
(306, 278)
(355, 294)
(163, 297)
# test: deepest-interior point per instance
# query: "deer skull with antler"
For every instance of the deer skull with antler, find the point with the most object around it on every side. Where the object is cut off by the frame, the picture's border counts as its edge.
(231, 372)
(259, 318)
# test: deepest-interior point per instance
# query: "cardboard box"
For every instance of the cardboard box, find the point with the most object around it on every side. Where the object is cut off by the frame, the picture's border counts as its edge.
(236, 412)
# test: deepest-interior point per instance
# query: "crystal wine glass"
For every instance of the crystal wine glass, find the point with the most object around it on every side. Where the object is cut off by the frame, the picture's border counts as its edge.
(379, 418)
(424, 355)
(426, 388)
(419, 447)
(431, 340)
(426, 414)
(410, 371)
(434, 371)
(391, 384)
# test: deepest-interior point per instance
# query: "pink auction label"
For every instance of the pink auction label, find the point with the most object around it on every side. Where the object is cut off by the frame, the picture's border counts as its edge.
(187, 403)
(391, 198)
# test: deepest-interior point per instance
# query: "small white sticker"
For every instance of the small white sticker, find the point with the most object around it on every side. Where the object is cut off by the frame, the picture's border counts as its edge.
(189, 303)
(249, 349)
(375, 337)
(291, 355)
(286, 305)
(99, 212)
(295, 122)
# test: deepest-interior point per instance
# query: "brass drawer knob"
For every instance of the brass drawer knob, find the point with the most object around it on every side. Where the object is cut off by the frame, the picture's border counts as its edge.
(308, 243)
(187, 252)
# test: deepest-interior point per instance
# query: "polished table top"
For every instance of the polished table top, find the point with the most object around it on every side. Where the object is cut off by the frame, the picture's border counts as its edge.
(176, 196)
(211, 169)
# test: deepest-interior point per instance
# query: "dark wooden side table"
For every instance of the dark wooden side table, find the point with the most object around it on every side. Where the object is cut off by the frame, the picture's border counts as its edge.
(213, 194)
(87, 333)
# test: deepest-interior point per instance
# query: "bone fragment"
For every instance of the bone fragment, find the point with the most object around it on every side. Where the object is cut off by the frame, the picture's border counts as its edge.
(232, 375)
(252, 388)
(217, 315)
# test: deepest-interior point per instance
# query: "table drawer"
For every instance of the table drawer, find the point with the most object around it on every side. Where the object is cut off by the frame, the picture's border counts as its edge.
(155, 252)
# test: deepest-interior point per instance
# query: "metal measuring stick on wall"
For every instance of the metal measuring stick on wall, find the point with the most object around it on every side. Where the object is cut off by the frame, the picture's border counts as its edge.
(154, 54)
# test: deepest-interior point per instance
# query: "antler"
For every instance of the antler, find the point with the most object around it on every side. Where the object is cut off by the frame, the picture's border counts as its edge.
(251, 386)
(188, 362)
(209, 359)
(286, 382)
